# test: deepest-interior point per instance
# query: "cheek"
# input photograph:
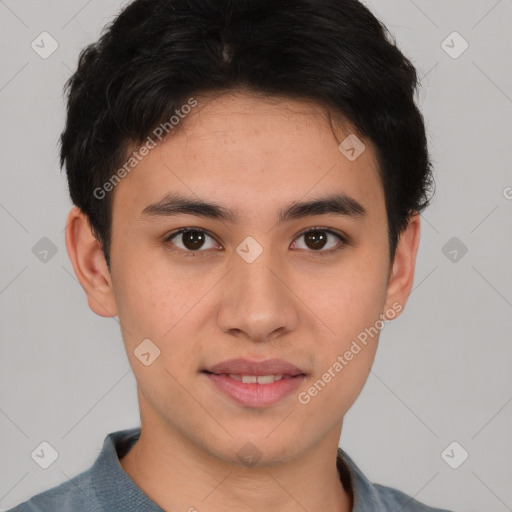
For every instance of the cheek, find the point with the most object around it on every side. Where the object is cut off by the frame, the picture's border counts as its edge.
(150, 294)
(349, 299)
(343, 361)
(349, 313)
(166, 308)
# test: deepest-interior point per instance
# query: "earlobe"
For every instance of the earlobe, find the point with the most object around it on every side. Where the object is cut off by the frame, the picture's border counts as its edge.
(402, 273)
(89, 264)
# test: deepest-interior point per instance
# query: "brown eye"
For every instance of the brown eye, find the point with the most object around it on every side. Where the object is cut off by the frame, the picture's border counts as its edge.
(191, 240)
(317, 239)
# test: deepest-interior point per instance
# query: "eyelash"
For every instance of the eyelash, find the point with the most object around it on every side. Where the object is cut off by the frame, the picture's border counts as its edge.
(187, 253)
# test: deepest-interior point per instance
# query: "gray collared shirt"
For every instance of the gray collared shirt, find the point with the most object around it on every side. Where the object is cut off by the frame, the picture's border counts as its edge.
(106, 487)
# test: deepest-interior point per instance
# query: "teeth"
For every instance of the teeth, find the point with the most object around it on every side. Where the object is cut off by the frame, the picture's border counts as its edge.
(266, 379)
(253, 379)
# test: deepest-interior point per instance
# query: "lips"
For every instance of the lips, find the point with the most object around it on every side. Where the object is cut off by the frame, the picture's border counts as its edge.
(255, 384)
(246, 368)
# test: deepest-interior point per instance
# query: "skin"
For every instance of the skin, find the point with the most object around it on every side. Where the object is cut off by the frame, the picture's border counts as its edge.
(254, 155)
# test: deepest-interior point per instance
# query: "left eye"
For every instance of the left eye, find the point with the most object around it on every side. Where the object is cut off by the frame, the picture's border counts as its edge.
(318, 237)
(193, 240)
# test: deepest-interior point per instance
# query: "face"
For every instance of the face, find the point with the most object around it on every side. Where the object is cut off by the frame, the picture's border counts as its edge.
(261, 282)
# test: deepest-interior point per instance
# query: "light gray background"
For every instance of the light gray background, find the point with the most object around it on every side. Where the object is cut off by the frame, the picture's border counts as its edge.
(443, 369)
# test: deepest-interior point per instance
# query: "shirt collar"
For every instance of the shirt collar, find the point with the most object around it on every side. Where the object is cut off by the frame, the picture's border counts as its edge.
(365, 494)
(115, 490)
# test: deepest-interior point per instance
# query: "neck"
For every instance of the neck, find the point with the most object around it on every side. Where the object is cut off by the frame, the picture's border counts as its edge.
(179, 476)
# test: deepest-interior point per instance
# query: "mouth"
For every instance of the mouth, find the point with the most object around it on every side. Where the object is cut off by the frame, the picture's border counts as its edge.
(245, 368)
(255, 379)
(255, 384)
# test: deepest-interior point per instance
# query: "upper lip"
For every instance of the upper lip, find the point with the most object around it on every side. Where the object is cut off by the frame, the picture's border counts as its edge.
(258, 368)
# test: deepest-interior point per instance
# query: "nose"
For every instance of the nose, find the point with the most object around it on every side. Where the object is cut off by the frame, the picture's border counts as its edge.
(259, 303)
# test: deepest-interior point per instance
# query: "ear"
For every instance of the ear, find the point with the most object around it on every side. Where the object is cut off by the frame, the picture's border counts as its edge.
(402, 273)
(89, 264)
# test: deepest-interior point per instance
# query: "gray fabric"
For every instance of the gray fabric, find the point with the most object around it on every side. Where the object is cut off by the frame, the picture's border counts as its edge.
(105, 487)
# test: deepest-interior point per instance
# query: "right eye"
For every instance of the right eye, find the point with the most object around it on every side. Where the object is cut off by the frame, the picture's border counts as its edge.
(190, 241)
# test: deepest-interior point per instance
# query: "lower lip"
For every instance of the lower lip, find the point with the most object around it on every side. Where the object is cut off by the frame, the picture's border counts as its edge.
(255, 395)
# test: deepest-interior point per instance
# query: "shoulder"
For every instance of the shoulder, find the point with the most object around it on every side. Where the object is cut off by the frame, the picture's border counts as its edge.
(369, 496)
(72, 495)
(101, 487)
(392, 498)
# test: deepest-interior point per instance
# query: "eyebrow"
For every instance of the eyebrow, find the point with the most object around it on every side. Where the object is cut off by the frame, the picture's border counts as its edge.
(337, 204)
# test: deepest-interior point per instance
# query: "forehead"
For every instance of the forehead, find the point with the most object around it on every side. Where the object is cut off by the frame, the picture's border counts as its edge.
(252, 153)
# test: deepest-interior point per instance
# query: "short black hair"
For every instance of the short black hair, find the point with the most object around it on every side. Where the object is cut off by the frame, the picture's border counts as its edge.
(156, 54)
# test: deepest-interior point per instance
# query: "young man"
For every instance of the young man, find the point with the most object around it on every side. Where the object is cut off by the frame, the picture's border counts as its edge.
(248, 178)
